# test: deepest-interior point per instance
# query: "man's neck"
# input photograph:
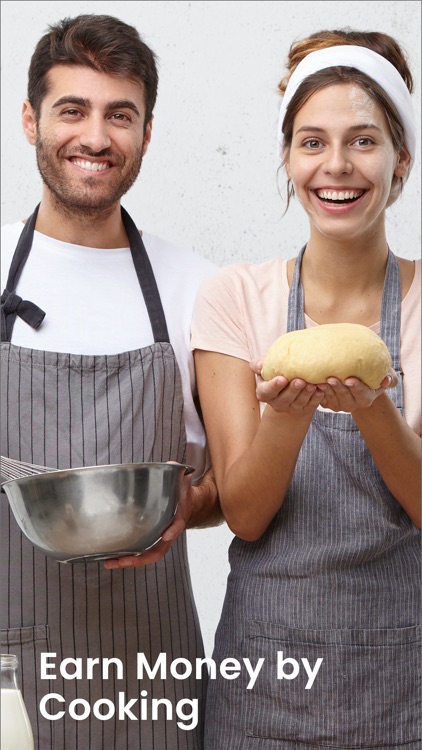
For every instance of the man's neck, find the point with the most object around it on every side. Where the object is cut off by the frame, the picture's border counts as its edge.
(98, 228)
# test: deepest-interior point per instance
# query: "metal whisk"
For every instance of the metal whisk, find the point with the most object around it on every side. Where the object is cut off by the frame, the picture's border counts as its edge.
(13, 469)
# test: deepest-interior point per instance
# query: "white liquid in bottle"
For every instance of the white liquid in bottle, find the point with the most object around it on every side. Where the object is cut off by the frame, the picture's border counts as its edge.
(16, 732)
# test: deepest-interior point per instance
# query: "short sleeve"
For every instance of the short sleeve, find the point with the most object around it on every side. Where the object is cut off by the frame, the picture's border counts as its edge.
(218, 322)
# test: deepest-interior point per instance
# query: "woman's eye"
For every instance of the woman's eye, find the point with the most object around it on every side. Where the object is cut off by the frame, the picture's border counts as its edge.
(312, 143)
(364, 141)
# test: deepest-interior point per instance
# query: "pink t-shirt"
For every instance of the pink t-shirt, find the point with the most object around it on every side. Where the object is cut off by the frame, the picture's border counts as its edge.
(242, 310)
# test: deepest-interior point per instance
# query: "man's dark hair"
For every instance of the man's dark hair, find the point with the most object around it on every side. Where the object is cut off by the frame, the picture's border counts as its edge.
(103, 43)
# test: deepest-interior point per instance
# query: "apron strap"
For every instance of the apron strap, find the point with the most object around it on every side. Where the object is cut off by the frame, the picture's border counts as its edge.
(146, 280)
(296, 304)
(391, 310)
(11, 304)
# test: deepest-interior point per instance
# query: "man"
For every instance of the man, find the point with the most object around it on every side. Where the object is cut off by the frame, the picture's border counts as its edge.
(97, 369)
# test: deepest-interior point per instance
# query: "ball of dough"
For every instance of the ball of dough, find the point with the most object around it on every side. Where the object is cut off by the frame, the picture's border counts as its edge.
(340, 350)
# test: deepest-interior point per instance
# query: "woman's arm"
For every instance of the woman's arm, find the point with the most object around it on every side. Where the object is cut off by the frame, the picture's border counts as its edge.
(253, 458)
(393, 445)
(395, 449)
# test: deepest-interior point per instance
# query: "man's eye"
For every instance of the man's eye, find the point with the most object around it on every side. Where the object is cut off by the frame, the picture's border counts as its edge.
(120, 116)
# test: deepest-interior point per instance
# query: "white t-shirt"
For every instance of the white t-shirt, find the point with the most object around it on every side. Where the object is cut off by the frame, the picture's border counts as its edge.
(242, 310)
(94, 305)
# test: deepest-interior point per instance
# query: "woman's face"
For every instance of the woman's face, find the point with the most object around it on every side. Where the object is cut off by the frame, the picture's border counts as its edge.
(342, 161)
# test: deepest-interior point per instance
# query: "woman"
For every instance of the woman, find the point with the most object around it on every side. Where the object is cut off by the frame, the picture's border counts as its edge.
(321, 482)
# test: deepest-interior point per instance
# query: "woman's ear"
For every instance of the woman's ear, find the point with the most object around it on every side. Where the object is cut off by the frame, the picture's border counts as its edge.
(29, 122)
(286, 163)
(403, 163)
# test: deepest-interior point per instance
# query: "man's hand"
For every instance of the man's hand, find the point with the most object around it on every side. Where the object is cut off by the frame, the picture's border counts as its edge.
(198, 507)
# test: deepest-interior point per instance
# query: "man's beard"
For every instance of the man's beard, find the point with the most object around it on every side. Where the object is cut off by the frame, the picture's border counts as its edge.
(89, 199)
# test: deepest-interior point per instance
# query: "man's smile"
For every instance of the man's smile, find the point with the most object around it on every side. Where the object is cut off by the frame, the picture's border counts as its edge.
(90, 166)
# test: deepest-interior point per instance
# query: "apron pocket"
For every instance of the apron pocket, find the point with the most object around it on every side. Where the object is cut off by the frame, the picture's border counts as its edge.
(25, 637)
(363, 694)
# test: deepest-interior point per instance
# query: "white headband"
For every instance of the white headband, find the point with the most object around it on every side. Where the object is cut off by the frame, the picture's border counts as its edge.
(375, 66)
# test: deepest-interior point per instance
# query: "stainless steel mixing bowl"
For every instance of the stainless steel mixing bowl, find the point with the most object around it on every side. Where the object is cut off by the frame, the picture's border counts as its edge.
(96, 512)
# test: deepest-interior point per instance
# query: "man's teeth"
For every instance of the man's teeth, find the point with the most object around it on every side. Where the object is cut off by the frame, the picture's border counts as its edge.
(91, 166)
(339, 195)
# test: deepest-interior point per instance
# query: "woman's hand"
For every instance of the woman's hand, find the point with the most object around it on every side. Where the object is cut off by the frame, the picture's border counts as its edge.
(353, 394)
(300, 397)
(294, 397)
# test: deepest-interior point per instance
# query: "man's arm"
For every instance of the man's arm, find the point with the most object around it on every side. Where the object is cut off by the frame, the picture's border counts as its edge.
(205, 508)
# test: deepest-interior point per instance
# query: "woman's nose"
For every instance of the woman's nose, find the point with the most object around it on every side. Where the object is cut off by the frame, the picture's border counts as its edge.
(337, 161)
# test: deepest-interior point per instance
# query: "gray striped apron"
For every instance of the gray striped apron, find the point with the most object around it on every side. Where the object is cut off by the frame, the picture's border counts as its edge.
(334, 577)
(67, 410)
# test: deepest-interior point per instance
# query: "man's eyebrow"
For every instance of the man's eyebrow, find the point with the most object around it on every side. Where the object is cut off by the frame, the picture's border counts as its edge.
(124, 104)
(79, 101)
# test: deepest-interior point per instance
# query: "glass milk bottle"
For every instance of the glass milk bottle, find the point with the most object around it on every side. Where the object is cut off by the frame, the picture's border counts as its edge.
(16, 732)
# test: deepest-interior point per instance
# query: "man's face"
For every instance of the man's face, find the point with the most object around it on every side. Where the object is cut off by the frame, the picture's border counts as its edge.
(89, 137)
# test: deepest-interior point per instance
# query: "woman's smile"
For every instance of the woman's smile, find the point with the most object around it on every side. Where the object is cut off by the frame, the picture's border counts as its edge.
(338, 200)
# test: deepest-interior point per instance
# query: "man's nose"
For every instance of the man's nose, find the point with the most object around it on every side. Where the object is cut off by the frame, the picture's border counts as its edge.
(94, 134)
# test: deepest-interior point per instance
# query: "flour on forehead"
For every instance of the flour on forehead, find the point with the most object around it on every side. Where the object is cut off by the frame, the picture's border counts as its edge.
(361, 103)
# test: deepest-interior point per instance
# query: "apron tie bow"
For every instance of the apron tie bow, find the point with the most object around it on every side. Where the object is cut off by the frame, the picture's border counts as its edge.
(13, 305)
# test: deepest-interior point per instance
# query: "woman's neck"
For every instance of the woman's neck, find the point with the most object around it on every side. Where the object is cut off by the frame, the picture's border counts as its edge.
(344, 282)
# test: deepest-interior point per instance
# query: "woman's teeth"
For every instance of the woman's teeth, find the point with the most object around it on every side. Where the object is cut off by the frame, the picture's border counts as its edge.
(339, 195)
